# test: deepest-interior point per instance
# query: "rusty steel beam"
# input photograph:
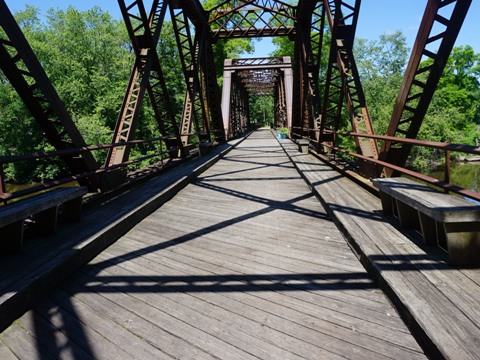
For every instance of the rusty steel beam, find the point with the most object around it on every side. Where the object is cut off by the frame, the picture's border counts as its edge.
(308, 47)
(253, 33)
(421, 76)
(202, 103)
(147, 74)
(239, 117)
(300, 82)
(255, 18)
(333, 99)
(342, 18)
(193, 115)
(25, 73)
(211, 89)
(334, 95)
(280, 104)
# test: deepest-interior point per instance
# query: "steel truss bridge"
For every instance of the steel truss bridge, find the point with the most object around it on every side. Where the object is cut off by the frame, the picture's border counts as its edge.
(311, 110)
(309, 105)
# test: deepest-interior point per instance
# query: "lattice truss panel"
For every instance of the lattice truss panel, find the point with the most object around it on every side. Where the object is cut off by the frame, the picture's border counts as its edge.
(308, 49)
(259, 80)
(147, 75)
(343, 81)
(239, 110)
(254, 77)
(251, 18)
(280, 103)
(202, 104)
(193, 111)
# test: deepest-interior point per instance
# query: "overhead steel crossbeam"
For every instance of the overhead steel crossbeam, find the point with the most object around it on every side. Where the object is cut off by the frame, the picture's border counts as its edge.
(251, 18)
(436, 37)
(147, 74)
(202, 106)
(263, 63)
(256, 77)
(25, 73)
(308, 48)
(259, 81)
(342, 18)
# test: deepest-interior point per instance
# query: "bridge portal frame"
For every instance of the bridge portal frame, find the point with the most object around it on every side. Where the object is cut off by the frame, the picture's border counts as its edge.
(262, 77)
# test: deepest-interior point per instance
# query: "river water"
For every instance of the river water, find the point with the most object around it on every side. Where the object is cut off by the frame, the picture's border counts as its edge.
(464, 174)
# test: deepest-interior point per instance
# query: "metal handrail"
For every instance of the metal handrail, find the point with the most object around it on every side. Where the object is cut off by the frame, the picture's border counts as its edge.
(5, 196)
(444, 146)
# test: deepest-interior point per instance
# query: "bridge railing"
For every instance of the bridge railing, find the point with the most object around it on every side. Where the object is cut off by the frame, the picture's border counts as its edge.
(6, 196)
(446, 147)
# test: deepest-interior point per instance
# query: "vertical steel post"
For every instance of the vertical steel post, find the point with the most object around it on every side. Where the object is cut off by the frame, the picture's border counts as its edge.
(226, 94)
(287, 71)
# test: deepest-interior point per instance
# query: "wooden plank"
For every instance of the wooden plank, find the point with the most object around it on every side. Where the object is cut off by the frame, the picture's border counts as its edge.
(371, 311)
(408, 271)
(42, 264)
(97, 334)
(56, 343)
(23, 345)
(305, 260)
(24, 208)
(312, 282)
(142, 327)
(241, 328)
(5, 352)
(295, 326)
(441, 207)
(195, 275)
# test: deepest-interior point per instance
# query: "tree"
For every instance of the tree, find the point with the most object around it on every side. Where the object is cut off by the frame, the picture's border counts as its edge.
(459, 86)
(88, 59)
(381, 64)
(261, 110)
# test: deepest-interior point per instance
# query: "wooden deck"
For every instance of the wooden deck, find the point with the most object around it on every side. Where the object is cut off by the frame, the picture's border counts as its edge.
(244, 263)
(440, 302)
(46, 260)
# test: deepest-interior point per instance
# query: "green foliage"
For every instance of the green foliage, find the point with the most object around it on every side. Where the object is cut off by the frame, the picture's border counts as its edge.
(261, 110)
(87, 56)
(381, 64)
(172, 66)
(454, 113)
(284, 47)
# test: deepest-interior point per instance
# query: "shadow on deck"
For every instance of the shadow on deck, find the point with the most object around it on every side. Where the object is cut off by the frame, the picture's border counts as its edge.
(242, 263)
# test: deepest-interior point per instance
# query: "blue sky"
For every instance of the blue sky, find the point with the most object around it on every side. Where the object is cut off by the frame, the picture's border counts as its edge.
(376, 17)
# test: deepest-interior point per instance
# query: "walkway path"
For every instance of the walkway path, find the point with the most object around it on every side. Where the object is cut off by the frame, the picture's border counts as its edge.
(243, 263)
